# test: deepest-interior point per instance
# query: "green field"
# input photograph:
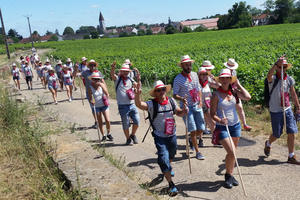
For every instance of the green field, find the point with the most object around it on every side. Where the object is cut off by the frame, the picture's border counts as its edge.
(255, 49)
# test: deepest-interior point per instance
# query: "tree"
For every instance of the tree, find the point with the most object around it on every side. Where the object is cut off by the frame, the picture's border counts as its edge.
(49, 33)
(56, 32)
(86, 37)
(187, 29)
(149, 32)
(35, 33)
(86, 29)
(94, 34)
(200, 29)
(123, 34)
(255, 11)
(269, 5)
(68, 31)
(283, 10)
(170, 29)
(141, 32)
(53, 38)
(12, 33)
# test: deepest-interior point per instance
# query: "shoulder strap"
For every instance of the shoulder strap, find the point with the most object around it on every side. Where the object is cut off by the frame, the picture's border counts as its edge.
(274, 85)
(118, 83)
(172, 104)
(155, 111)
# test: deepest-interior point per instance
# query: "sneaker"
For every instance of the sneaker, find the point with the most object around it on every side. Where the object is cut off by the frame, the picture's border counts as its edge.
(94, 126)
(172, 190)
(103, 139)
(206, 132)
(31, 88)
(110, 137)
(172, 173)
(56, 102)
(128, 141)
(199, 156)
(228, 181)
(293, 160)
(28, 88)
(234, 181)
(134, 139)
(70, 100)
(267, 149)
(191, 144)
(200, 143)
(247, 128)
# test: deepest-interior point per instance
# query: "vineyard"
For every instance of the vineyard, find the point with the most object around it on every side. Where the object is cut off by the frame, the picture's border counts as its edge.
(255, 49)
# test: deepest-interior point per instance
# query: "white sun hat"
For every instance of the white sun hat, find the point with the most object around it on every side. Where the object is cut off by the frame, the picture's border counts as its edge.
(226, 73)
(47, 61)
(127, 61)
(159, 84)
(83, 59)
(207, 65)
(185, 58)
(96, 75)
(202, 70)
(125, 67)
(14, 65)
(68, 60)
(231, 64)
(59, 62)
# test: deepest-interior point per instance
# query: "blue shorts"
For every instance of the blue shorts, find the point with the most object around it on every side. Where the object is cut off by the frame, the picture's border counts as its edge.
(51, 87)
(65, 83)
(235, 131)
(127, 111)
(277, 123)
(16, 78)
(195, 119)
(99, 109)
(166, 151)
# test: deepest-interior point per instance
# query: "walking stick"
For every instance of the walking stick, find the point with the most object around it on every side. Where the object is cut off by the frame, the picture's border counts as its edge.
(234, 154)
(80, 87)
(283, 101)
(98, 128)
(146, 134)
(187, 143)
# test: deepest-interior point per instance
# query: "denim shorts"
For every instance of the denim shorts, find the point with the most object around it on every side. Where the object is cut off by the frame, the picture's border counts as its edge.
(166, 151)
(126, 112)
(16, 78)
(277, 123)
(99, 109)
(68, 83)
(51, 87)
(235, 131)
(195, 119)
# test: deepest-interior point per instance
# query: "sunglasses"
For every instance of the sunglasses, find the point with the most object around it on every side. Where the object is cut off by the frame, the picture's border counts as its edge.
(160, 89)
(95, 79)
(92, 65)
(203, 74)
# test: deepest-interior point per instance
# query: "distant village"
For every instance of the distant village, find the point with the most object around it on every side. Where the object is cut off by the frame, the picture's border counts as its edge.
(101, 31)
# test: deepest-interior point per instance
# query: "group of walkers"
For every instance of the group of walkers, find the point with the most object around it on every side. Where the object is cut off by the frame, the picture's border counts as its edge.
(205, 101)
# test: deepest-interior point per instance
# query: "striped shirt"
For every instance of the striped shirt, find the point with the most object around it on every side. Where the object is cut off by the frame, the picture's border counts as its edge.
(182, 86)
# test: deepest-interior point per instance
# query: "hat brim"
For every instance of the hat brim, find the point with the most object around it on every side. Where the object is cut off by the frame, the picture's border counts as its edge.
(236, 65)
(100, 77)
(233, 78)
(191, 61)
(152, 92)
(288, 65)
(92, 63)
(210, 67)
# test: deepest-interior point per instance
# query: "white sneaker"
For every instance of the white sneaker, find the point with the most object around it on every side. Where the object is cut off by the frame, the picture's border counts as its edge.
(56, 102)
(70, 100)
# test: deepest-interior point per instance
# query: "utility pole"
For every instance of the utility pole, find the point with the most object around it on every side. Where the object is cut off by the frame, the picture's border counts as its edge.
(4, 35)
(30, 31)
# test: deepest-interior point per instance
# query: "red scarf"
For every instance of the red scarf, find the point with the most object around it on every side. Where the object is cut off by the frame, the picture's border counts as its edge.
(228, 92)
(278, 74)
(65, 72)
(203, 84)
(124, 80)
(164, 102)
(188, 76)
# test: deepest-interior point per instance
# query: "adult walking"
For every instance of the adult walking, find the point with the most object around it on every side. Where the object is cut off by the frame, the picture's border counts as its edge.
(162, 110)
(28, 75)
(52, 80)
(45, 69)
(125, 98)
(187, 89)
(83, 65)
(68, 82)
(15, 72)
(98, 97)
(224, 102)
(58, 71)
(279, 103)
(233, 65)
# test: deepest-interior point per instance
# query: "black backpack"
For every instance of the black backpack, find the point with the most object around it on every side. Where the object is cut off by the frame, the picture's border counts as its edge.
(267, 93)
(119, 80)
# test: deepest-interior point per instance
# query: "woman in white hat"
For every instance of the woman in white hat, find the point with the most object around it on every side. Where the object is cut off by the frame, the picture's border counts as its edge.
(223, 112)
(162, 110)
(206, 96)
(58, 71)
(70, 66)
(211, 79)
(15, 72)
(45, 71)
(68, 82)
(52, 83)
(83, 65)
(98, 98)
(233, 65)
(28, 75)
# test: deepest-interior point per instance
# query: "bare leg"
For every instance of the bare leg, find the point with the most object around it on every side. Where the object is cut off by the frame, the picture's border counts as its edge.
(194, 140)
(229, 159)
(134, 129)
(107, 120)
(100, 123)
(209, 121)
(291, 142)
(71, 91)
(241, 113)
(126, 132)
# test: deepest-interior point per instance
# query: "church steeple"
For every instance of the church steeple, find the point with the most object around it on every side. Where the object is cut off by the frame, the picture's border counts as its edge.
(102, 28)
(101, 18)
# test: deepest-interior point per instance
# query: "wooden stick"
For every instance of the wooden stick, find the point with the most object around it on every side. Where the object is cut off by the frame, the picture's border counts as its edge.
(80, 87)
(283, 100)
(234, 154)
(98, 128)
(187, 143)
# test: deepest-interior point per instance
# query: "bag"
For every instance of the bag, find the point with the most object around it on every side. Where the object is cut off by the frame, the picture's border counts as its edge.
(130, 94)
(215, 137)
(119, 81)
(169, 126)
(286, 100)
(54, 83)
(207, 102)
(267, 93)
(105, 100)
(195, 95)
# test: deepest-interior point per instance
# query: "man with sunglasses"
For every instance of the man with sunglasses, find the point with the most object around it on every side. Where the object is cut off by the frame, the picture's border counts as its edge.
(277, 104)
(125, 98)
(187, 89)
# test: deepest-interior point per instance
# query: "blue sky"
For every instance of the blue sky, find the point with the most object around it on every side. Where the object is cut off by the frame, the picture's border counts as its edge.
(57, 14)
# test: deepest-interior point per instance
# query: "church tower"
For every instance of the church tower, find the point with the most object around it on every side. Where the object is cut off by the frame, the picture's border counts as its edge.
(102, 28)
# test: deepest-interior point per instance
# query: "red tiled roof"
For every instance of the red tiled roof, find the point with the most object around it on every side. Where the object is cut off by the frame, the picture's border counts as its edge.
(210, 22)
(263, 16)
(156, 29)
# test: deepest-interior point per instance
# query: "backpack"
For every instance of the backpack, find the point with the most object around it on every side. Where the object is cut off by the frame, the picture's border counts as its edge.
(119, 81)
(267, 93)
(155, 111)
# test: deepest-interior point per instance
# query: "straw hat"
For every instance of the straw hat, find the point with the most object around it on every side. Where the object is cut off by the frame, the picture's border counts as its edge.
(40, 62)
(14, 65)
(96, 75)
(125, 67)
(207, 65)
(202, 70)
(68, 60)
(127, 61)
(159, 84)
(83, 59)
(47, 61)
(231, 64)
(285, 63)
(185, 58)
(59, 62)
(92, 62)
(226, 73)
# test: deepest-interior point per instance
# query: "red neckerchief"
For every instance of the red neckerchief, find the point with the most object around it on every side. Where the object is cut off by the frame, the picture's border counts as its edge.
(164, 102)
(65, 72)
(188, 76)
(278, 74)
(228, 92)
(52, 75)
(124, 80)
(203, 84)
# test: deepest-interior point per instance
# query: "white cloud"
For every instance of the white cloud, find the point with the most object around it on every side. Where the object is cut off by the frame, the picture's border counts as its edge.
(95, 6)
